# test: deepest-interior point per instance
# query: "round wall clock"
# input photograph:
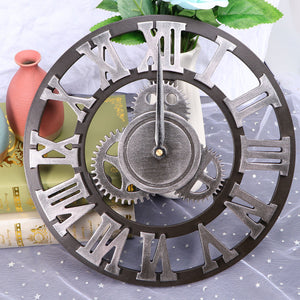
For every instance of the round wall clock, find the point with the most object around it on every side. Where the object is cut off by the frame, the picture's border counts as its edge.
(217, 215)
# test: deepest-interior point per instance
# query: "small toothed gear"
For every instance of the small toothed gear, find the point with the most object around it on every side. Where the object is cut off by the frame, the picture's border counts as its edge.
(174, 101)
(213, 183)
(125, 194)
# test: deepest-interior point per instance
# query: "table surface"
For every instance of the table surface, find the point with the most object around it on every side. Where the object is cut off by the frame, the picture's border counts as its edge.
(271, 271)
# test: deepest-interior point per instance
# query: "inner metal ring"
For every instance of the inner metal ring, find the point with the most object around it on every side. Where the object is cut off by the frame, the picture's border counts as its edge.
(175, 169)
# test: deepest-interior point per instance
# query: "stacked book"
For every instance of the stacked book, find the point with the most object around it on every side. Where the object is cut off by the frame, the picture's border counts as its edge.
(20, 223)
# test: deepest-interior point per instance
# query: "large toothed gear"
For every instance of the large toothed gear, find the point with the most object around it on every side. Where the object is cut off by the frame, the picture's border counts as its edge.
(126, 193)
(174, 101)
(211, 180)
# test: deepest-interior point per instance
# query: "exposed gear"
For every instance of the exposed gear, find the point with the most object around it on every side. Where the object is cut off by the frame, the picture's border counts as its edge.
(174, 101)
(213, 183)
(126, 193)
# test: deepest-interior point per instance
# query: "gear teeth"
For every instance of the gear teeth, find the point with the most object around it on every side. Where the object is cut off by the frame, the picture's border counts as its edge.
(140, 106)
(100, 177)
(185, 191)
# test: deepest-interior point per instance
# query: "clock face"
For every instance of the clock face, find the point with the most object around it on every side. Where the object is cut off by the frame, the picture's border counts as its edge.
(160, 160)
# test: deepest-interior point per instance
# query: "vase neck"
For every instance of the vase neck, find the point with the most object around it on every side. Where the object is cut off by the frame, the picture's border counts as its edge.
(28, 58)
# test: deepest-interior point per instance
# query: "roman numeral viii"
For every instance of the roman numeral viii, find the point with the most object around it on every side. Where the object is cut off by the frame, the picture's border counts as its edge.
(56, 200)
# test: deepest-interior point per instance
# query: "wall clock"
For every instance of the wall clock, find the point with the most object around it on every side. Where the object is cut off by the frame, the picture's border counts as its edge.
(159, 152)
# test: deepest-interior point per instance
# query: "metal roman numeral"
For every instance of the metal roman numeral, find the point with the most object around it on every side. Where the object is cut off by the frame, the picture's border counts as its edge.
(250, 102)
(167, 31)
(116, 71)
(63, 96)
(266, 155)
(260, 209)
(69, 154)
(207, 238)
(55, 200)
(224, 45)
(98, 245)
(161, 253)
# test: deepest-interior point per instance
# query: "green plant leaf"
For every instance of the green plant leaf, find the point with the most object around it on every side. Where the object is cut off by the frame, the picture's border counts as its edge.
(242, 14)
(187, 13)
(207, 15)
(106, 22)
(162, 8)
(134, 8)
(130, 38)
(110, 5)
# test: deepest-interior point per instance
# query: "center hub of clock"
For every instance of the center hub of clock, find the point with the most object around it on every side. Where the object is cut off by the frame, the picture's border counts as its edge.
(169, 168)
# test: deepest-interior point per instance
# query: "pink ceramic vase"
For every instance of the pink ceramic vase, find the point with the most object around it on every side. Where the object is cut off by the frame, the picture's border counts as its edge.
(21, 92)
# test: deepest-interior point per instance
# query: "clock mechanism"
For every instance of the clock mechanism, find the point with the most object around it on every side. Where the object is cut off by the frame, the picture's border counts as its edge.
(161, 161)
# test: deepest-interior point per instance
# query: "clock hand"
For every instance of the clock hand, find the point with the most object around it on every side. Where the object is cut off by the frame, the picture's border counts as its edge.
(159, 150)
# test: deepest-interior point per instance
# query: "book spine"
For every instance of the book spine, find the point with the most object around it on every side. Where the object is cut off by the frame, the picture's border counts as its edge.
(15, 199)
(28, 229)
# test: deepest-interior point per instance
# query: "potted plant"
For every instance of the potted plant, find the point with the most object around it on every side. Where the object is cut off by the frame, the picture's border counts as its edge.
(238, 14)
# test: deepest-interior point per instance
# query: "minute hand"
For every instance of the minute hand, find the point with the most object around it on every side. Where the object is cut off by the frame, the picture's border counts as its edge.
(160, 110)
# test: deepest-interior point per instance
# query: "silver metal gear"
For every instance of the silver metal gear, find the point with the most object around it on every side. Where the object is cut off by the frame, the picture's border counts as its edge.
(213, 183)
(127, 193)
(175, 101)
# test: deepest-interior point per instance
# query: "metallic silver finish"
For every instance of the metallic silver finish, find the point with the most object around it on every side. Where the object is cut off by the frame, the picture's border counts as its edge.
(102, 242)
(266, 155)
(58, 93)
(175, 101)
(260, 209)
(224, 45)
(213, 183)
(104, 251)
(55, 200)
(39, 157)
(149, 264)
(163, 30)
(122, 194)
(116, 71)
(178, 166)
(160, 108)
(250, 102)
(207, 238)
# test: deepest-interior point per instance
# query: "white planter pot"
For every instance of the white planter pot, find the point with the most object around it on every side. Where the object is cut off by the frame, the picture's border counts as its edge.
(188, 60)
